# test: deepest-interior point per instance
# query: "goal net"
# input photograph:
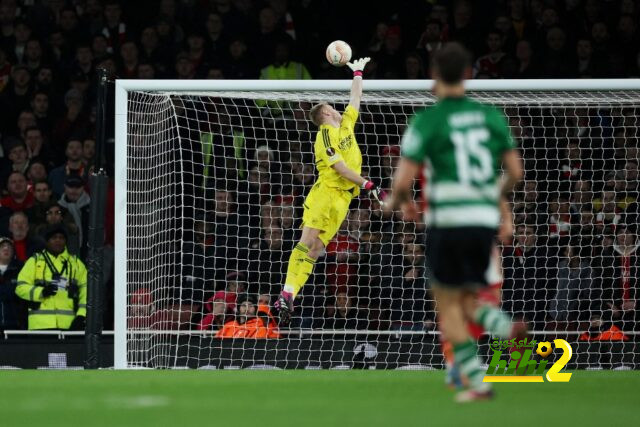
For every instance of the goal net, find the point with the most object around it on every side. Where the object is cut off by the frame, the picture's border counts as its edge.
(211, 178)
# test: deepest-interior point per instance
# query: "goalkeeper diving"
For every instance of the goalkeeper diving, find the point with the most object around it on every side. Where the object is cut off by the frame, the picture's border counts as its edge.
(339, 162)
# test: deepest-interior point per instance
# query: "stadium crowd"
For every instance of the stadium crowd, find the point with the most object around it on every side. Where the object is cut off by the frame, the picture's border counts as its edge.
(573, 261)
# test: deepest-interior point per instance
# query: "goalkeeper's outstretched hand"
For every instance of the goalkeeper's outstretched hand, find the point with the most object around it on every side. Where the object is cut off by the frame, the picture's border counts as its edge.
(358, 64)
(377, 193)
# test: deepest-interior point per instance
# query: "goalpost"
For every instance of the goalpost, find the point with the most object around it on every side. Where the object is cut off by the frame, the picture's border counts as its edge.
(210, 177)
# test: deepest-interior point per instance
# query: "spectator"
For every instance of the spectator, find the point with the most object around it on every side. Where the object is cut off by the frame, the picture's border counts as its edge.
(26, 119)
(37, 171)
(601, 39)
(342, 256)
(430, 40)
(269, 259)
(581, 197)
(250, 322)
(527, 204)
(56, 283)
(239, 65)
(55, 214)
(463, 28)
(574, 287)
(18, 155)
(40, 108)
(586, 66)
(377, 38)
(12, 313)
(504, 24)
(345, 315)
(215, 40)
(152, 54)
(169, 35)
(414, 67)
(33, 55)
(557, 62)
(146, 71)
(23, 245)
(73, 166)
(572, 167)
(205, 263)
(73, 122)
(216, 314)
(607, 211)
(617, 271)
(288, 217)
(15, 97)
(68, 23)
(228, 223)
(58, 46)
(222, 304)
(283, 68)
(77, 201)
(528, 270)
(115, 29)
(88, 152)
(19, 197)
(199, 57)
(44, 80)
(22, 35)
(42, 197)
(129, 59)
(560, 217)
(34, 142)
(490, 65)
(389, 157)
(390, 58)
(526, 64)
(184, 68)
(264, 157)
(269, 35)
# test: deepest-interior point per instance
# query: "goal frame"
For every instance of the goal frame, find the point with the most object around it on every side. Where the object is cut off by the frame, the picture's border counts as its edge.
(124, 86)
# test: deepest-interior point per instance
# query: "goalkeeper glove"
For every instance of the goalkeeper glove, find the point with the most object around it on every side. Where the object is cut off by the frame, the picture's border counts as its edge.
(358, 65)
(378, 194)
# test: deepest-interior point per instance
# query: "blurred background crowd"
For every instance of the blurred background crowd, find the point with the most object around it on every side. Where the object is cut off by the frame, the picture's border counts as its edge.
(572, 262)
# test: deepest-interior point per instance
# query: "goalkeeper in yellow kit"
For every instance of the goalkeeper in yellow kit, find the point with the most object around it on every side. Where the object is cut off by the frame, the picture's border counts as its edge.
(339, 162)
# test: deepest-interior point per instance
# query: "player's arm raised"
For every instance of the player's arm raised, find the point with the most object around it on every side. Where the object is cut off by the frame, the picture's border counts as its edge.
(357, 67)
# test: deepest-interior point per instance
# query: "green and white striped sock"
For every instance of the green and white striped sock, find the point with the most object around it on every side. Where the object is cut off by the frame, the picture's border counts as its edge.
(466, 357)
(494, 321)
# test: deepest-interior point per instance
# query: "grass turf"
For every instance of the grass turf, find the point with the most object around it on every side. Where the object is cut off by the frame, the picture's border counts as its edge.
(305, 398)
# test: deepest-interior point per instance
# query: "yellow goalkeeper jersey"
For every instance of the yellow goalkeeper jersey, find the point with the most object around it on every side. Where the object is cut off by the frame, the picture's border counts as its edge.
(338, 144)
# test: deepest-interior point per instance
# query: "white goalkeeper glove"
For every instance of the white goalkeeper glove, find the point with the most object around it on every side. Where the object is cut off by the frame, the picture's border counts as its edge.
(377, 193)
(358, 65)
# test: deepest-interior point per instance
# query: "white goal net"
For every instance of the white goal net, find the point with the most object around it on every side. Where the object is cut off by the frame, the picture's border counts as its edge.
(211, 183)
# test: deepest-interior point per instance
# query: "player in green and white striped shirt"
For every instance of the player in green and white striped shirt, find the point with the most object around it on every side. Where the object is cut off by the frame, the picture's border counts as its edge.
(462, 145)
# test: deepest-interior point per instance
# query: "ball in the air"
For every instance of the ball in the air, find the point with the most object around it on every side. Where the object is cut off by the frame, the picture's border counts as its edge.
(338, 53)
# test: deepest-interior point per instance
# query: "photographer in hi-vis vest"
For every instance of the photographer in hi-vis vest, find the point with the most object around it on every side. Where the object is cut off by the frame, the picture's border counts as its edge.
(54, 283)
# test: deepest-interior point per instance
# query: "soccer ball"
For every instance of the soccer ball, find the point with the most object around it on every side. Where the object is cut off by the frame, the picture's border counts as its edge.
(338, 53)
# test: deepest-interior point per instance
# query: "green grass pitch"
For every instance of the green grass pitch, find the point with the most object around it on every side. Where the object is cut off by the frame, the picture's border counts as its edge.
(305, 398)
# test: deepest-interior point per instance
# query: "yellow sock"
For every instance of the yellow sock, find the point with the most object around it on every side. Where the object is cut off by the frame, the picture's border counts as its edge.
(299, 269)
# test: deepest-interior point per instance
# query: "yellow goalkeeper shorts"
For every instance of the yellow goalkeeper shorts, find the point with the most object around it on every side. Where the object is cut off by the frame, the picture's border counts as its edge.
(325, 208)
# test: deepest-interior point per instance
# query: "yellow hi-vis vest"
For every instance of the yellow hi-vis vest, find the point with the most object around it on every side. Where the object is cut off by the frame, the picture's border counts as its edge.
(59, 310)
(292, 70)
